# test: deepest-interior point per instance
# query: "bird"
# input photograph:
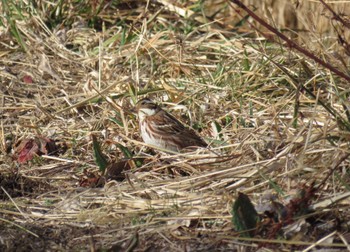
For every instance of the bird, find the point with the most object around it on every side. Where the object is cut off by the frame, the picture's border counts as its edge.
(162, 130)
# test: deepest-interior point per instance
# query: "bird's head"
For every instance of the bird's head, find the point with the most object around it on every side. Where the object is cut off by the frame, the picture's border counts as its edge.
(146, 107)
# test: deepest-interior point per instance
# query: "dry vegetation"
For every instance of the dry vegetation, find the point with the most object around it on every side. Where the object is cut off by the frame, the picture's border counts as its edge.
(277, 122)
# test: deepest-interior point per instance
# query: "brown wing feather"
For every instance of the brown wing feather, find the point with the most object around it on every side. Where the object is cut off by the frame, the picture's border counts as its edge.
(176, 130)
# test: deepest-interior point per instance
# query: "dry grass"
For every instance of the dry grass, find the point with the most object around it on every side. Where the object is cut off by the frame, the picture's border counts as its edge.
(278, 129)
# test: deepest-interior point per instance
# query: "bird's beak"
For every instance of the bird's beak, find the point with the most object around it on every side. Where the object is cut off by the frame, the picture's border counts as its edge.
(133, 110)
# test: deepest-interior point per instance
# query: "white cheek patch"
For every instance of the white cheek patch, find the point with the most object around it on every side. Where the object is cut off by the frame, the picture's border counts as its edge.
(147, 112)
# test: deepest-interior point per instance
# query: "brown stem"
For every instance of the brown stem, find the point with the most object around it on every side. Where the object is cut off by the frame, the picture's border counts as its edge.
(290, 43)
(335, 15)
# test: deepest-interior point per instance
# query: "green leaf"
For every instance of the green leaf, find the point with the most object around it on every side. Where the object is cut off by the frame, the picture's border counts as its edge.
(100, 159)
(120, 123)
(10, 9)
(125, 151)
(246, 63)
(132, 90)
(244, 215)
(129, 154)
(217, 128)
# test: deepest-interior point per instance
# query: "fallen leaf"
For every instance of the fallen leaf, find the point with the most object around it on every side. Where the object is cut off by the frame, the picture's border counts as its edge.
(27, 79)
(28, 148)
(115, 170)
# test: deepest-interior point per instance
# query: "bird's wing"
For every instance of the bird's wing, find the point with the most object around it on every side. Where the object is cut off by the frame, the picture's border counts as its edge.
(167, 124)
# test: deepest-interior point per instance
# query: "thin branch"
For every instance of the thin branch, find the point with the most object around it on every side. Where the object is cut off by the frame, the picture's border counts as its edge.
(289, 42)
(335, 15)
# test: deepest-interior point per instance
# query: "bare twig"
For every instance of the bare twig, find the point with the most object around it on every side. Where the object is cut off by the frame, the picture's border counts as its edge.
(290, 43)
(335, 15)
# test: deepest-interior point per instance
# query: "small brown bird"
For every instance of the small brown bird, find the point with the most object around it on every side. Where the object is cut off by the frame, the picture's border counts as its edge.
(160, 129)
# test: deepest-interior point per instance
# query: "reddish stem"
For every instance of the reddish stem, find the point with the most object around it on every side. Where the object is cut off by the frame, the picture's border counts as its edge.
(289, 42)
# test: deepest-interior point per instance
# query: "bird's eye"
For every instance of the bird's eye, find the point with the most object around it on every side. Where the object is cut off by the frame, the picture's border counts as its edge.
(144, 102)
